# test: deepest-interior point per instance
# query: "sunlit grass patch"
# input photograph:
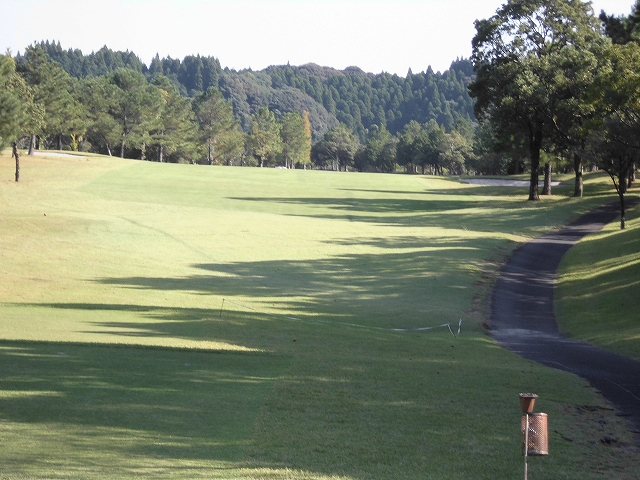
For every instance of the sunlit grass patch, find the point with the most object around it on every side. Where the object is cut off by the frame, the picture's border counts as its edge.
(598, 288)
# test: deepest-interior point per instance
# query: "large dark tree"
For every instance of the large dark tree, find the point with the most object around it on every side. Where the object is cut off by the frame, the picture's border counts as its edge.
(526, 57)
(622, 29)
(379, 152)
(337, 149)
(615, 135)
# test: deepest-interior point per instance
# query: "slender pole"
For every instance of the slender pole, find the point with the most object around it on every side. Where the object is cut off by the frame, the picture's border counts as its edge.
(526, 447)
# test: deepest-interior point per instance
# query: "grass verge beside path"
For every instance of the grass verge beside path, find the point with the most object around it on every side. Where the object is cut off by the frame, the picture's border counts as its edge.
(177, 321)
(598, 286)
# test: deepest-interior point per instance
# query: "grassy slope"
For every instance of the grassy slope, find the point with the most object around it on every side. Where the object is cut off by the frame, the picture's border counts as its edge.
(181, 321)
(598, 288)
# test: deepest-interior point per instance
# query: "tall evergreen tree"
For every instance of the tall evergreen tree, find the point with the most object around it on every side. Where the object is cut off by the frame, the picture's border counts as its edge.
(218, 129)
(264, 139)
(175, 131)
(19, 114)
(99, 97)
(135, 107)
(52, 88)
(296, 140)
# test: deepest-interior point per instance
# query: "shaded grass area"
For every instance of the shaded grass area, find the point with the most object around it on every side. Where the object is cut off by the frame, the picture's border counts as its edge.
(180, 322)
(347, 403)
(598, 287)
(69, 410)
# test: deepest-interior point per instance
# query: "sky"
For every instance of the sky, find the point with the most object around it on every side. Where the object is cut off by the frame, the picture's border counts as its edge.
(375, 35)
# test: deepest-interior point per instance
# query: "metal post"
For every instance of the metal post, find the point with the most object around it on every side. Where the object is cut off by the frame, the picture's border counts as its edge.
(526, 447)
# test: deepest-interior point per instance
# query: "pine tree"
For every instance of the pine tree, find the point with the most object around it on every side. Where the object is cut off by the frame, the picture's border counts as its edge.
(218, 130)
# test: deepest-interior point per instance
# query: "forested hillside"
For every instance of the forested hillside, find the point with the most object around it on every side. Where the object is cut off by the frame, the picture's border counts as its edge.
(362, 101)
(556, 104)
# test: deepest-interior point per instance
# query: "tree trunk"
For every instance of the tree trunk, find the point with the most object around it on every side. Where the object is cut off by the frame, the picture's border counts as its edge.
(535, 145)
(142, 150)
(210, 154)
(161, 154)
(632, 175)
(622, 220)
(32, 145)
(59, 141)
(15, 153)
(578, 188)
(546, 190)
(622, 182)
(122, 148)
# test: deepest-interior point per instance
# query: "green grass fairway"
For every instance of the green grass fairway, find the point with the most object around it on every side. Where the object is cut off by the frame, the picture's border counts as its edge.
(180, 321)
(598, 288)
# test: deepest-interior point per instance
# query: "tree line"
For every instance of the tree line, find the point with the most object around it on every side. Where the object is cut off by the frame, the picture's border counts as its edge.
(554, 81)
(125, 114)
(360, 100)
(551, 87)
(193, 111)
(128, 114)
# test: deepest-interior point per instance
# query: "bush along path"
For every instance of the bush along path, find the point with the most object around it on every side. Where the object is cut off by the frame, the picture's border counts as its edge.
(523, 319)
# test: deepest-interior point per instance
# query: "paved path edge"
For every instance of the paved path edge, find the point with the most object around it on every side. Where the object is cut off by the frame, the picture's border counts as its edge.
(523, 318)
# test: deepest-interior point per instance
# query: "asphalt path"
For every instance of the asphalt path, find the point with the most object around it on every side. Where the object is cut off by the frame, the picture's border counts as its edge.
(523, 320)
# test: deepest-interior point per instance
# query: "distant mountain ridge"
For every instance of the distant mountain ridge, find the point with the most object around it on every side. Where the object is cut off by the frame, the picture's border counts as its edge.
(363, 101)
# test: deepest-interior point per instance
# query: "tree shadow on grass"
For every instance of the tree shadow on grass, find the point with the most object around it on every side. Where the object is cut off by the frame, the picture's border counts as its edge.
(149, 394)
(357, 402)
(462, 211)
(142, 405)
(389, 290)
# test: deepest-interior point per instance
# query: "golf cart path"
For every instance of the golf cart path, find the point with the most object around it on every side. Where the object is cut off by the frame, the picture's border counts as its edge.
(523, 319)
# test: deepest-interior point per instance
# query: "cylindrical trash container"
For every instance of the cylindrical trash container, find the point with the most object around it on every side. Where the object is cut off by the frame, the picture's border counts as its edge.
(538, 434)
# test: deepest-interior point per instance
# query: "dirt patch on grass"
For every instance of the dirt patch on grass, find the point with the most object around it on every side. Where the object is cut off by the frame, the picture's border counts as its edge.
(614, 454)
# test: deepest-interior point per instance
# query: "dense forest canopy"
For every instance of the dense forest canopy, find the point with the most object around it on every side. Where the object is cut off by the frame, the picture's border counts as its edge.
(360, 100)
